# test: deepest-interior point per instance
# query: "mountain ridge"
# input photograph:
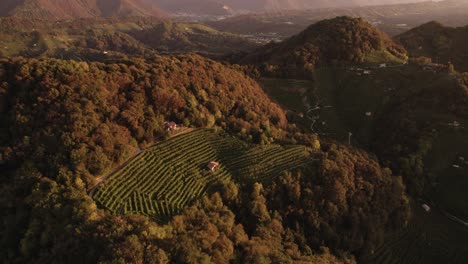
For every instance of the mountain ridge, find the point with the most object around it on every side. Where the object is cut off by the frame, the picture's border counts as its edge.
(72, 9)
(272, 5)
(69, 9)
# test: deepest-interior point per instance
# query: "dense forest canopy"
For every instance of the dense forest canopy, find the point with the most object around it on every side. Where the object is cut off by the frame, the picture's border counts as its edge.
(123, 105)
(66, 122)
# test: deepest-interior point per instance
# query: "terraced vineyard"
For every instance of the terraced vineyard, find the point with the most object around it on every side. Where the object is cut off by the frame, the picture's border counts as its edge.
(166, 178)
(429, 238)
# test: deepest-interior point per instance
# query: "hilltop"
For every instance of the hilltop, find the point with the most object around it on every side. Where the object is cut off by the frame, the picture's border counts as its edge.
(71, 9)
(342, 40)
(441, 43)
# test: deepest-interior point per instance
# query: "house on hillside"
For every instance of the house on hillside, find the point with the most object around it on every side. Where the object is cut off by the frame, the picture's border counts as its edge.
(383, 65)
(213, 166)
(454, 124)
(171, 126)
(426, 208)
(367, 72)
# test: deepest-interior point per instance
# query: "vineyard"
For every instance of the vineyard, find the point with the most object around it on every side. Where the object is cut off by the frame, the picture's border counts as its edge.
(428, 238)
(166, 178)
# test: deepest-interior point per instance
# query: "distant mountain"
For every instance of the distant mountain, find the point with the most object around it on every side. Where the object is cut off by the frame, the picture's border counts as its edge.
(342, 40)
(201, 7)
(191, 37)
(442, 44)
(70, 9)
(271, 5)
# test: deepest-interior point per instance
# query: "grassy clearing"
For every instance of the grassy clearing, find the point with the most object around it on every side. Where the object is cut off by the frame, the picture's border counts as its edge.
(166, 178)
(378, 57)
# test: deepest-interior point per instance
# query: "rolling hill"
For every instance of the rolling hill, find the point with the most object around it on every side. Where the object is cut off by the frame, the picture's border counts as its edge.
(191, 37)
(441, 43)
(71, 9)
(107, 38)
(342, 40)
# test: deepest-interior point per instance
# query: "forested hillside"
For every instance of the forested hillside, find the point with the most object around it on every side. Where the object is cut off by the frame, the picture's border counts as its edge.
(189, 90)
(63, 123)
(338, 41)
(440, 43)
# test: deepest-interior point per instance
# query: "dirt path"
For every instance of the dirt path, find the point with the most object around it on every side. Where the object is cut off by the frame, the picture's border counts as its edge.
(100, 180)
(181, 132)
(455, 219)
